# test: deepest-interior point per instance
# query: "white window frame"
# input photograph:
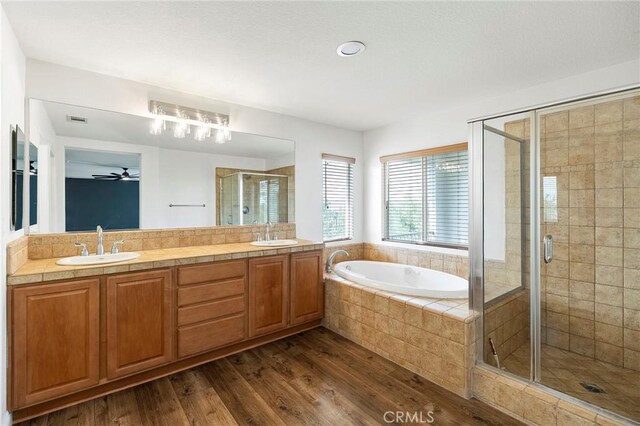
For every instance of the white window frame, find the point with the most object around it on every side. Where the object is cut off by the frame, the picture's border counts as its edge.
(338, 161)
(415, 155)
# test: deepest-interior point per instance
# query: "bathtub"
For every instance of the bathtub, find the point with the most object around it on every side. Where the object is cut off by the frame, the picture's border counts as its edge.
(404, 279)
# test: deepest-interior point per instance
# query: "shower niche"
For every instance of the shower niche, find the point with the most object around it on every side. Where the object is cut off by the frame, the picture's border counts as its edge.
(248, 198)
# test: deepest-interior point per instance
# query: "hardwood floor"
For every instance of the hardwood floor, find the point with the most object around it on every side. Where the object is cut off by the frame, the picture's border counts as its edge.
(313, 378)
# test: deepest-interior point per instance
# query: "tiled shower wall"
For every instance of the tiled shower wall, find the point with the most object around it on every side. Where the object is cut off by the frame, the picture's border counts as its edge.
(591, 290)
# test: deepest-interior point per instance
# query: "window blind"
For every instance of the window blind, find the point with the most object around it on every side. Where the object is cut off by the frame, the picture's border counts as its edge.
(337, 183)
(427, 198)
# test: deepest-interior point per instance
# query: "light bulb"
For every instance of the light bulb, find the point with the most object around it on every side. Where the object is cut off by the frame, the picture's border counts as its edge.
(181, 129)
(220, 139)
(202, 132)
(157, 126)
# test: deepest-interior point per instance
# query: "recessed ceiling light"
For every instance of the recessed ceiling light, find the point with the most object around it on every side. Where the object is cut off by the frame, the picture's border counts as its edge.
(351, 48)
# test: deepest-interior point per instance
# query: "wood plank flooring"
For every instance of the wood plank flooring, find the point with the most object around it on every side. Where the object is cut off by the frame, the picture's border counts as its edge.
(313, 378)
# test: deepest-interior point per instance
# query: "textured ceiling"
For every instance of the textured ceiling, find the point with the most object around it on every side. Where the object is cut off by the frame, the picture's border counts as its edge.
(281, 56)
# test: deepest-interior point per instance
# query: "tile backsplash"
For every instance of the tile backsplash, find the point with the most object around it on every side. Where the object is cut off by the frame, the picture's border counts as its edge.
(48, 246)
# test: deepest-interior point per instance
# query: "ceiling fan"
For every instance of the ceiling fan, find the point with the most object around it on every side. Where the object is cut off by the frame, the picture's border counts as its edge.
(117, 176)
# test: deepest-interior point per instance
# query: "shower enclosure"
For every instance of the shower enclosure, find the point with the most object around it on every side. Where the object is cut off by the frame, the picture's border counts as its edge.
(254, 198)
(555, 247)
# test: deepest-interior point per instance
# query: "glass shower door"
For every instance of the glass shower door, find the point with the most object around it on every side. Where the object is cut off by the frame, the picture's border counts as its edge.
(506, 194)
(590, 251)
(555, 251)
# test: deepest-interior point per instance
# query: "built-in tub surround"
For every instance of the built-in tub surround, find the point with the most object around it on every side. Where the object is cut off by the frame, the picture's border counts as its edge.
(407, 280)
(449, 263)
(431, 337)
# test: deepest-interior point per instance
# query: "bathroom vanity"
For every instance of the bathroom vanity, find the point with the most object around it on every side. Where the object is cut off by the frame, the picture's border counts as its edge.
(108, 328)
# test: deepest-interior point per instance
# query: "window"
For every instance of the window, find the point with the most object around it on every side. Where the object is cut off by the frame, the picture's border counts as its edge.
(426, 197)
(337, 195)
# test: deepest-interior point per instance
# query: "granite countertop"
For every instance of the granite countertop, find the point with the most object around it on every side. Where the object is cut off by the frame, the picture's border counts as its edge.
(36, 271)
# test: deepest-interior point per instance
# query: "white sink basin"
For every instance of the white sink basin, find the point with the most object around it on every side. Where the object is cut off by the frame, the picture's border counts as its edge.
(95, 259)
(274, 243)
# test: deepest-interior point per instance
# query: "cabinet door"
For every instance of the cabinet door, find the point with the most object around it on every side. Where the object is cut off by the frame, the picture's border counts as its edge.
(56, 341)
(307, 287)
(140, 324)
(268, 294)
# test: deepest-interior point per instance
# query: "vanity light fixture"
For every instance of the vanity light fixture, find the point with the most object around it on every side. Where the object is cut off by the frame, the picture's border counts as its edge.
(183, 118)
(351, 48)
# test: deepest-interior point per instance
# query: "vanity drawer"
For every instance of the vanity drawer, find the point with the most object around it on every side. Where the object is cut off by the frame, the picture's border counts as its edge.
(210, 310)
(210, 335)
(211, 272)
(206, 292)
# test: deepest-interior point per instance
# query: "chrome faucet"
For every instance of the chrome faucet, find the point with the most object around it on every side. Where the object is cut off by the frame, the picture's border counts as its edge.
(100, 248)
(115, 248)
(85, 250)
(329, 266)
(267, 231)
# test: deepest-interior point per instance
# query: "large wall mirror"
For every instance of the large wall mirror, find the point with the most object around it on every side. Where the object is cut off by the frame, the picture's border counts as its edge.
(115, 170)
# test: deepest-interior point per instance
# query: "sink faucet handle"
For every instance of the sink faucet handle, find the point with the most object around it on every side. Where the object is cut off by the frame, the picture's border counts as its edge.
(258, 236)
(115, 247)
(275, 236)
(85, 250)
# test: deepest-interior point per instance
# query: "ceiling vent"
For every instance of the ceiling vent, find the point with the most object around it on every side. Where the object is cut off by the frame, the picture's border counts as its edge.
(76, 119)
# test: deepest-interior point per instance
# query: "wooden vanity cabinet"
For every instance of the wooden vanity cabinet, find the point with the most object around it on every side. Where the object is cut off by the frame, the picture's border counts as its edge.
(307, 287)
(73, 340)
(212, 305)
(268, 294)
(140, 322)
(56, 340)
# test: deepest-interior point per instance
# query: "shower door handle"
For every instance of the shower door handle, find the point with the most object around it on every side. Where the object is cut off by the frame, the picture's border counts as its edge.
(548, 248)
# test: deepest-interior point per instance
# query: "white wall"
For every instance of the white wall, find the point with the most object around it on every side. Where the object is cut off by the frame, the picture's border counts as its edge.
(437, 128)
(43, 136)
(62, 84)
(12, 88)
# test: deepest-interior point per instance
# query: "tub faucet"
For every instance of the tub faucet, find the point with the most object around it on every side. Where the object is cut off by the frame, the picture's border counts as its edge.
(100, 248)
(329, 266)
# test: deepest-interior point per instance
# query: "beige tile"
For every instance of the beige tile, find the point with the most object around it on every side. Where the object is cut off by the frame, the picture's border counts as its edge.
(608, 112)
(632, 319)
(610, 256)
(609, 237)
(631, 108)
(610, 217)
(608, 178)
(608, 333)
(581, 117)
(609, 353)
(609, 275)
(557, 122)
(608, 314)
(582, 345)
(609, 295)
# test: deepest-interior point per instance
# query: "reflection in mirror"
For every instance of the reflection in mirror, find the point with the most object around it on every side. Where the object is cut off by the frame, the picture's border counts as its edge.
(33, 184)
(247, 197)
(17, 177)
(101, 188)
(180, 184)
